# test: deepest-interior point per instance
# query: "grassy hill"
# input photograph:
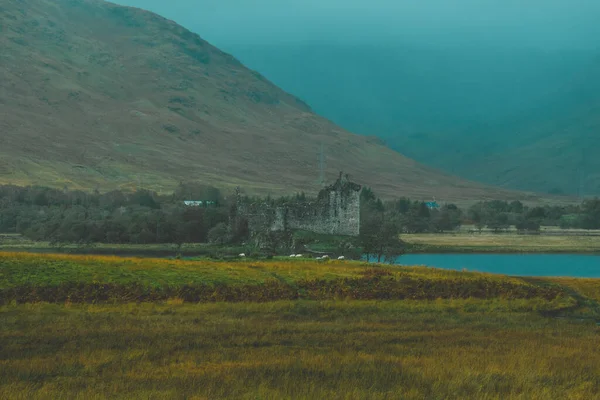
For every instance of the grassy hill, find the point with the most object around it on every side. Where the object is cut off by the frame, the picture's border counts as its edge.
(515, 118)
(54, 278)
(96, 95)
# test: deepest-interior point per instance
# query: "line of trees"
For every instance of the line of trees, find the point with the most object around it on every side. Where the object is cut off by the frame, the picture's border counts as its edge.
(497, 215)
(144, 217)
(382, 223)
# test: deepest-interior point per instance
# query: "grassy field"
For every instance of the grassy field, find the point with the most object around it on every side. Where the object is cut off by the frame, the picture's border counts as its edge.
(17, 243)
(346, 330)
(450, 349)
(26, 277)
(589, 288)
(507, 242)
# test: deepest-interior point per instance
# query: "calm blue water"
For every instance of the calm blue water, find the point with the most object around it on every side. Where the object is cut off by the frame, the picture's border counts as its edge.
(574, 265)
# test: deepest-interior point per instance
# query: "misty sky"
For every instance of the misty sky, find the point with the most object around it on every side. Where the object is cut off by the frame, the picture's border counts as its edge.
(549, 24)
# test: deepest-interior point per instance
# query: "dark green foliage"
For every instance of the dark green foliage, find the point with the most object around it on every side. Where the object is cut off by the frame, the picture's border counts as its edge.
(301, 196)
(379, 229)
(527, 225)
(144, 198)
(498, 222)
(516, 207)
(448, 218)
(402, 205)
(219, 234)
(498, 215)
(591, 211)
(380, 239)
(367, 195)
(144, 217)
(141, 217)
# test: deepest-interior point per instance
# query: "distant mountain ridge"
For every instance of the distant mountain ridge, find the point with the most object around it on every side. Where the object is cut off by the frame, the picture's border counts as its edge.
(515, 118)
(96, 95)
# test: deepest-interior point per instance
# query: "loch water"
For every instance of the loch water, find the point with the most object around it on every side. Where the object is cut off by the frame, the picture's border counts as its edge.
(567, 265)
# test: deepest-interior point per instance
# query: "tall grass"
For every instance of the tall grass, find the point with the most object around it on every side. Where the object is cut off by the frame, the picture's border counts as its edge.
(289, 329)
(442, 349)
(59, 278)
(589, 288)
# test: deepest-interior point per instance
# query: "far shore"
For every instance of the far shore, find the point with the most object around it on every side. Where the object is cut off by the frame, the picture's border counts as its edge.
(502, 243)
(461, 242)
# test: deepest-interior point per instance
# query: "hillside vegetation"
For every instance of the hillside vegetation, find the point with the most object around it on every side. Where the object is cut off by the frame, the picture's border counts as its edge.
(96, 95)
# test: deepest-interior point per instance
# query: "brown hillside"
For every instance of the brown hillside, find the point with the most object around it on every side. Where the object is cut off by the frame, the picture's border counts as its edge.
(98, 95)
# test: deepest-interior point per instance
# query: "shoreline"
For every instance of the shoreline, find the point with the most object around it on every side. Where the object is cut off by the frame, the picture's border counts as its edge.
(415, 244)
(161, 253)
(501, 244)
(492, 250)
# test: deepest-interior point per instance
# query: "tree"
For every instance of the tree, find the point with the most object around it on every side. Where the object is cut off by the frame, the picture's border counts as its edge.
(448, 218)
(112, 200)
(591, 214)
(402, 205)
(367, 195)
(476, 214)
(524, 225)
(219, 234)
(538, 213)
(240, 231)
(498, 222)
(379, 238)
(144, 198)
(516, 207)
(417, 219)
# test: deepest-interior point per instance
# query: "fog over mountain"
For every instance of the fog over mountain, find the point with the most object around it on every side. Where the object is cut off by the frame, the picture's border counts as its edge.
(535, 23)
(504, 92)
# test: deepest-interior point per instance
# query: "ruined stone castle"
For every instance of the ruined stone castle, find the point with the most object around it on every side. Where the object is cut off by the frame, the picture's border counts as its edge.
(336, 211)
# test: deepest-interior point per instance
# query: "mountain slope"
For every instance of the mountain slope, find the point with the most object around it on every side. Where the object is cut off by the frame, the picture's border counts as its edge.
(551, 147)
(98, 95)
(508, 117)
(556, 146)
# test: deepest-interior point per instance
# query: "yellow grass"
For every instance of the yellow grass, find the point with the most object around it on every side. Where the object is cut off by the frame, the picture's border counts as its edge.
(586, 287)
(494, 348)
(44, 268)
(296, 350)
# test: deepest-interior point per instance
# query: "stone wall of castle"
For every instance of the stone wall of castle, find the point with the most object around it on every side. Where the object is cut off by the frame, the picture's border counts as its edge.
(336, 214)
(336, 211)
